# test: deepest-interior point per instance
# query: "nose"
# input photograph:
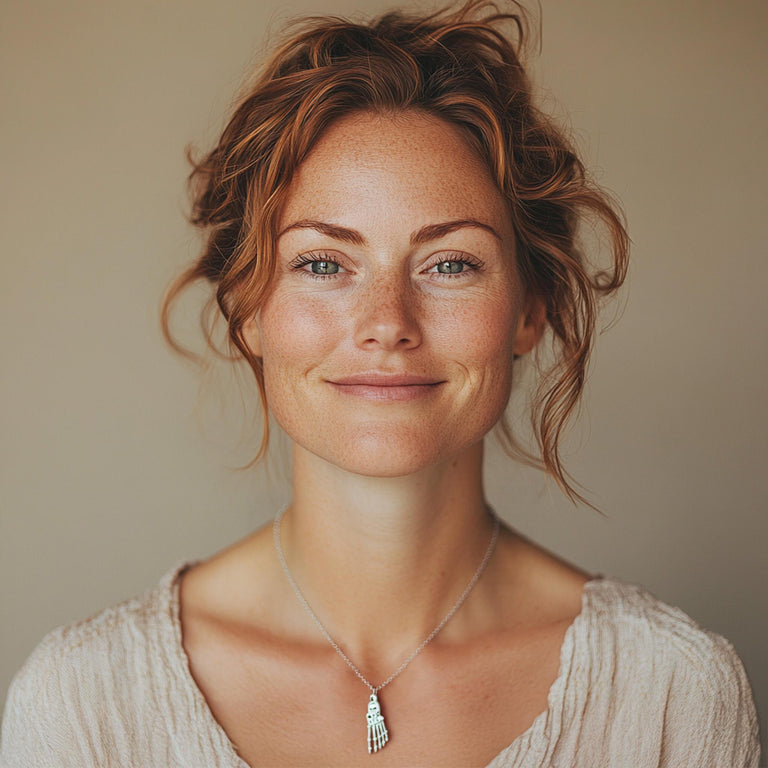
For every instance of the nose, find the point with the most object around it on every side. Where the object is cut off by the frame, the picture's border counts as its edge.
(387, 316)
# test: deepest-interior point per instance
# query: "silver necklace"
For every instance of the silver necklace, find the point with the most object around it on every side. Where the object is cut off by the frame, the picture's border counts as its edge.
(378, 735)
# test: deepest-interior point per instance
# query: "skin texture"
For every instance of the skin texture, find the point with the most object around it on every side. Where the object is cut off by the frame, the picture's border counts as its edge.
(387, 308)
(387, 522)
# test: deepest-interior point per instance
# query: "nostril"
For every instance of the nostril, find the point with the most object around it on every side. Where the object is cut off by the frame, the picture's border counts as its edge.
(391, 323)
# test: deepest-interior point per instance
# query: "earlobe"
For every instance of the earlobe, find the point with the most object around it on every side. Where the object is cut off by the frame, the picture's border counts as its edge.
(530, 327)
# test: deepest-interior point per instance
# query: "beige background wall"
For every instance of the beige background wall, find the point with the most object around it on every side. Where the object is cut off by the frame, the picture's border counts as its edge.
(112, 464)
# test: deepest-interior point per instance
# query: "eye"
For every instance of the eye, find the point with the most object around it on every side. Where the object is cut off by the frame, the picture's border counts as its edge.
(450, 267)
(455, 264)
(323, 267)
(317, 264)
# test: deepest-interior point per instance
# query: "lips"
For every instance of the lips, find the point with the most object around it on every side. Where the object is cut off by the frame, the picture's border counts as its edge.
(377, 386)
(375, 379)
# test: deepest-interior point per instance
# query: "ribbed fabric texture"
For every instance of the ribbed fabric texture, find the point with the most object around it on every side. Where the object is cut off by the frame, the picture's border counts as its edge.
(640, 685)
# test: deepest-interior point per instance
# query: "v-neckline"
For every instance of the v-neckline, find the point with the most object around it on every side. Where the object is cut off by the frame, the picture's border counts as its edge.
(209, 724)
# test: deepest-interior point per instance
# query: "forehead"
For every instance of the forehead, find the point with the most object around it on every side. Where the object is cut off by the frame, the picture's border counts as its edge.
(408, 168)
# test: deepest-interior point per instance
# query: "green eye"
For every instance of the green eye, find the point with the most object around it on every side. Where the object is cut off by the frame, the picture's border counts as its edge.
(450, 267)
(324, 268)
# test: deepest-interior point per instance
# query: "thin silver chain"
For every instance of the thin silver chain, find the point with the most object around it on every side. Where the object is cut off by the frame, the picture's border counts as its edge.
(427, 639)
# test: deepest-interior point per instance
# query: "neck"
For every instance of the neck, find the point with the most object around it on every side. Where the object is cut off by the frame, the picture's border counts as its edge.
(382, 560)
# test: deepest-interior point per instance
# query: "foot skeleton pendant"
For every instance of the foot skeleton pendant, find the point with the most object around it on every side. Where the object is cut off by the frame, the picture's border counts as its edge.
(377, 731)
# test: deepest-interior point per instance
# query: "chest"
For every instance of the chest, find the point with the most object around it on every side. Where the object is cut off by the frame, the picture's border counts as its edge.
(453, 706)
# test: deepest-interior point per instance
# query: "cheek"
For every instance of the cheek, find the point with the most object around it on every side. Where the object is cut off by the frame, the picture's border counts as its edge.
(480, 342)
(296, 332)
(480, 332)
(297, 335)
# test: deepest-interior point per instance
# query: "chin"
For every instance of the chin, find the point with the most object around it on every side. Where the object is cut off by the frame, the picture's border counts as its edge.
(393, 454)
(375, 467)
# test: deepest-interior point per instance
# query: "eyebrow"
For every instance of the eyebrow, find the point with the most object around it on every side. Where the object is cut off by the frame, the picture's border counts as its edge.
(420, 236)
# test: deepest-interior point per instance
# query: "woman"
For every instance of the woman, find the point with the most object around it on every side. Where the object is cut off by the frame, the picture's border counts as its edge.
(391, 231)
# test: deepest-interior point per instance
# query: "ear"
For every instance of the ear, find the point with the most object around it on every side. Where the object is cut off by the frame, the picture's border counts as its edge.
(252, 334)
(530, 326)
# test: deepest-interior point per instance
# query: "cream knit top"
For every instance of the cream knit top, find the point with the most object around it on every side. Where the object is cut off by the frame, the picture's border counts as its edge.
(640, 685)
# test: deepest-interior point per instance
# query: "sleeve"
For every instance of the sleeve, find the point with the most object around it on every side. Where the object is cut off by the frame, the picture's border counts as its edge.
(710, 719)
(39, 725)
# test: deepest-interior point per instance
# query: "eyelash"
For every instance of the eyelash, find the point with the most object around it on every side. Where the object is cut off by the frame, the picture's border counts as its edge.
(303, 259)
(475, 265)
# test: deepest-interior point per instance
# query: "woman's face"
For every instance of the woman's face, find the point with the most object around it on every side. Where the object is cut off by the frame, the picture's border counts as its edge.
(389, 334)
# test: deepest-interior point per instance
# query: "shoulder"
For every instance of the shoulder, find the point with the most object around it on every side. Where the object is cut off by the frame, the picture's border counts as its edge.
(666, 670)
(635, 625)
(102, 643)
(89, 674)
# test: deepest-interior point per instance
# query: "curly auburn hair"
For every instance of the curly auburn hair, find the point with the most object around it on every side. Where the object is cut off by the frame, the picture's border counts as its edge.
(463, 66)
